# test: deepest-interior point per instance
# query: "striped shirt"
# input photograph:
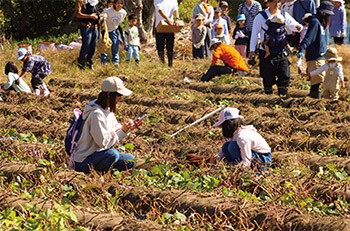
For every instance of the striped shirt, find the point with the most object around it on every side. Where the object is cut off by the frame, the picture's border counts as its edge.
(37, 65)
(249, 12)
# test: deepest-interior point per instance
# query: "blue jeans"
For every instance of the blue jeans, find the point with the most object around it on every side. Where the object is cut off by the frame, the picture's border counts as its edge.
(104, 160)
(232, 154)
(133, 50)
(88, 47)
(114, 36)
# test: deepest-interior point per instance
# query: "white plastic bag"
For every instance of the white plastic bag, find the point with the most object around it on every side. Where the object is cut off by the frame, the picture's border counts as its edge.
(301, 66)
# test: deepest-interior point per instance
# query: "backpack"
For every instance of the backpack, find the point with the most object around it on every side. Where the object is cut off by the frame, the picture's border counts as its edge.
(276, 34)
(73, 135)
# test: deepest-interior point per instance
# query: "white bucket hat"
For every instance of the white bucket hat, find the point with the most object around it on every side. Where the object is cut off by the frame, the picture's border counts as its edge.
(227, 114)
(115, 84)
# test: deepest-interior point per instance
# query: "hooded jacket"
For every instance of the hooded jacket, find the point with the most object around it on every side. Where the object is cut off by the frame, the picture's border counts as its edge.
(101, 131)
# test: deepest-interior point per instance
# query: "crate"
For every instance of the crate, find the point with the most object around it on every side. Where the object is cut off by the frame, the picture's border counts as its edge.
(163, 27)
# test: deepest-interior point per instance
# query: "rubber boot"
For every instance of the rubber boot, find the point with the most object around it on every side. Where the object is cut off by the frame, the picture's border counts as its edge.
(315, 94)
(170, 58)
(282, 91)
(46, 91)
(81, 64)
(161, 56)
(268, 91)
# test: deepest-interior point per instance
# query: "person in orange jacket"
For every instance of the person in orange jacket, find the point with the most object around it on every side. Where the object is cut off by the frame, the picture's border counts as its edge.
(233, 61)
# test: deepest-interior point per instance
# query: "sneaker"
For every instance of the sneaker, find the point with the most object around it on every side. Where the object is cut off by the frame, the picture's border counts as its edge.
(36, 91)
(90, 66)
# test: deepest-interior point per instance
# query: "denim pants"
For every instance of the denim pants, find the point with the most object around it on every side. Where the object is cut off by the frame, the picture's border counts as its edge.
(217, 71)
(88, 46)
(104, 160)
(133, 50)
(114, 36)
(232, 154)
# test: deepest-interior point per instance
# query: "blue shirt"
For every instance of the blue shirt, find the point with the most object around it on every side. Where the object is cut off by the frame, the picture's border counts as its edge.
(315, 41)
(337, 22)
(301, 7)
(37, 65)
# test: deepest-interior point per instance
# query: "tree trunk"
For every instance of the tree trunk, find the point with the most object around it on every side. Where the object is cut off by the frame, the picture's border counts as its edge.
(135, 7)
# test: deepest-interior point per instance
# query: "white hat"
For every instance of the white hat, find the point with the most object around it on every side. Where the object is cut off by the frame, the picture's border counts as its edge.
(93, 2)
(214, 41)
(227, 114)
(115, 84)
(21, 53)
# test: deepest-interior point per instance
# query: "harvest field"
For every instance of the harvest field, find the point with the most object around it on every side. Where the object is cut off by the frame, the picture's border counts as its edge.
(306, 188)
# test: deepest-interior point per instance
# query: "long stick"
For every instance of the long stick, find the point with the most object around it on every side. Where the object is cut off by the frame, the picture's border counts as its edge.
(199, 120)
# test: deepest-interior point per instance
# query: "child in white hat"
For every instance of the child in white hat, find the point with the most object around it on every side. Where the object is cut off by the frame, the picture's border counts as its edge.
(334, 74)
(245, 146)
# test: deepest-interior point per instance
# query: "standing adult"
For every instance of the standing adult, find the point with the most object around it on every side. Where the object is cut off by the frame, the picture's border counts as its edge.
(250, 9)
(277, 63)
(337, 22)
(87, 14)
(166, 10)
(114, 16)
(202, 7)
(292, 37)
(300, 8)
(101, 131)
(229, 56)
(315, 45)
(224, 8)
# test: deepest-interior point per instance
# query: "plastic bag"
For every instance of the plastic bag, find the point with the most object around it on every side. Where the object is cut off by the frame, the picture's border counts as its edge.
(301, 66)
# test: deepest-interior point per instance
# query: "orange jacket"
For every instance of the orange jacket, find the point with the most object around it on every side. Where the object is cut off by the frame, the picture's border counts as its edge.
(229, 56)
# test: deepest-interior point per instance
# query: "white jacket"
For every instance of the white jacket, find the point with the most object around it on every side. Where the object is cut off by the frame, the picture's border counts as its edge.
(100, 132)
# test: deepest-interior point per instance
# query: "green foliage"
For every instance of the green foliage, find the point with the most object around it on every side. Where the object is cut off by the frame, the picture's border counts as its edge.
(186, 7)
(37, 18)
(60, 217)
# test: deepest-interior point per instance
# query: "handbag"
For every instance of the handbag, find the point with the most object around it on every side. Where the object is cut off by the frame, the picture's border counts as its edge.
(104, 43)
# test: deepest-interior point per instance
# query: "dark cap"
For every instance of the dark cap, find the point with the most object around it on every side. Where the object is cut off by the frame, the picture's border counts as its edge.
(223, 3)
(217, 9)
(326, 8)
(132, 16)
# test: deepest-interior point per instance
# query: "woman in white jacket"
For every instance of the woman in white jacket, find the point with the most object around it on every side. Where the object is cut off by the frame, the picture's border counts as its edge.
(101, 131)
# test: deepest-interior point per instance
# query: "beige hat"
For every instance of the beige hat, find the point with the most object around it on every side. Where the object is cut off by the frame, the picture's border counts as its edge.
(306, 16)
(332, 54)
(278, 18)
(115, 84)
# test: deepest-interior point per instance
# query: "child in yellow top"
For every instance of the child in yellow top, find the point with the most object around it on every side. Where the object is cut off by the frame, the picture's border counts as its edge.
(334, 74)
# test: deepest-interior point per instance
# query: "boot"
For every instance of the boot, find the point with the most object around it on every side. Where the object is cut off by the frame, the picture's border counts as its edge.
(161, 56)
(90, 65)
(315, 94)
(268, 91)
(81, 64)
(46, 91)
(282, 91)
(170, 58)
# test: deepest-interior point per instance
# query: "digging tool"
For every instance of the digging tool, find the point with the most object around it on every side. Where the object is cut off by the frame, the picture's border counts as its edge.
(199, 120)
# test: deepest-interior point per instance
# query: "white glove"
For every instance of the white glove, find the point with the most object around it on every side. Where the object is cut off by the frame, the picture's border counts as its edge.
(237, 35)
(241, 34)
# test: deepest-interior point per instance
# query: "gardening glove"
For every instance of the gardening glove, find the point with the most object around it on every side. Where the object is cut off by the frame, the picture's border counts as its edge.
(236, 36)
(126, 47)
(300, 54)
(241, 35)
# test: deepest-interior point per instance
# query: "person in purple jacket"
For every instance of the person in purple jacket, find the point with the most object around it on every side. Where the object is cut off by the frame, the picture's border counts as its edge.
(337, 22)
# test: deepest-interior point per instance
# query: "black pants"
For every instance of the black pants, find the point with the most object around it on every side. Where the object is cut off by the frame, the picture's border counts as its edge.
(338, 40)
(165, 39)
(198, 53)
(248, 44)
(275, 65)
(217, 71)
(37, 80)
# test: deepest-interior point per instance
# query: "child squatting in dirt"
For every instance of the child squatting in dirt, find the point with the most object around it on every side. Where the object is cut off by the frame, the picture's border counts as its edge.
(245, 146)
(39, 67)
(11, 71)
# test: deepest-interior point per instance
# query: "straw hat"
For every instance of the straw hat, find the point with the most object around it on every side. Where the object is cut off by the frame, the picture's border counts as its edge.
(332, 54)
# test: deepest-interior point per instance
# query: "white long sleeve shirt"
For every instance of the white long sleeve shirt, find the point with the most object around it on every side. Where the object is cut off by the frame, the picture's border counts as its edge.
(326, 66)
(167, 6)
(11, 81)
(259, 24)
(100, 132)
(248, 140)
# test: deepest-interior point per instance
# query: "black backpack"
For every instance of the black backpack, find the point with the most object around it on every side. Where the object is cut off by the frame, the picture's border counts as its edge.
(276, 34)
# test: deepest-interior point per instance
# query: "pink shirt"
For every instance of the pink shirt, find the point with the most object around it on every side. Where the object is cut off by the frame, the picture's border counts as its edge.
(248, 139)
